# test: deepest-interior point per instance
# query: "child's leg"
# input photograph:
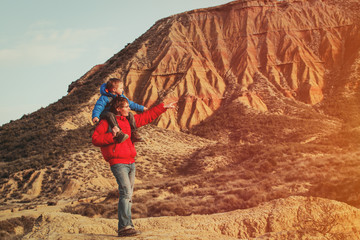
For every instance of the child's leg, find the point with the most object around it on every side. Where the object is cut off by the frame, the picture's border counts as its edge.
(135, 136)
(111, 119)
(119, 136)
(132, 122)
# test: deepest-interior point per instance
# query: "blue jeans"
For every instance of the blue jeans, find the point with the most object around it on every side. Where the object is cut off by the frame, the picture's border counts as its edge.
(125, 177)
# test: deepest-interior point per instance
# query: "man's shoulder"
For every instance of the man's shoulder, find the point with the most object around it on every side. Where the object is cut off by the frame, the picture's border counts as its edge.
(103, 124)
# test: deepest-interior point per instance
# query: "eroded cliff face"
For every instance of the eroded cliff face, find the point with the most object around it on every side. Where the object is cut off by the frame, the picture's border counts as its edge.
(203, 57)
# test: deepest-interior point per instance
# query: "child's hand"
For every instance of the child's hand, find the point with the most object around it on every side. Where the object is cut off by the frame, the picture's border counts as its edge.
(145, 109)
(115, 130)
(95, 120)
(170, 105)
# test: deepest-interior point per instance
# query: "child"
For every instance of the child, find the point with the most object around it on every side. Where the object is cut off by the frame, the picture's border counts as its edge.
(115, 87)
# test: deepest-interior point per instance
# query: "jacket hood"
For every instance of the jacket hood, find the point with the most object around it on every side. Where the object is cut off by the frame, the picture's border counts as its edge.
(104, 91)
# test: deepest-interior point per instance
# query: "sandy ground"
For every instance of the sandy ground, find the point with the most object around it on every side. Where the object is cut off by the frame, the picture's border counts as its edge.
(290, 218)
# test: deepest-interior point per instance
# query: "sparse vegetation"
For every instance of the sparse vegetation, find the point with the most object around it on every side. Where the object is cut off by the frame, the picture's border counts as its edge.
(93, 210)
(321, 223)
(15, 228)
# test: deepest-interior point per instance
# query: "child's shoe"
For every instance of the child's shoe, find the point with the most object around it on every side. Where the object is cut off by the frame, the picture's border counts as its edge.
(135, 137)
(120, 137)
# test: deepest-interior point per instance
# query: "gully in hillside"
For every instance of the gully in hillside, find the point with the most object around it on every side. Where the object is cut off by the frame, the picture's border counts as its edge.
(121, 156)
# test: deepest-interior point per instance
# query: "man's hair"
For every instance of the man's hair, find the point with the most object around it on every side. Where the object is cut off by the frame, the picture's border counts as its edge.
(113, 83)
(116, 103)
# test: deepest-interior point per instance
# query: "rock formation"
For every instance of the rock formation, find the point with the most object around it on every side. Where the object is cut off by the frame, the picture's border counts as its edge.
(203, 56)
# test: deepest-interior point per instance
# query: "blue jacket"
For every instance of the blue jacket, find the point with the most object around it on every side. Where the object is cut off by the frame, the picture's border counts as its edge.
(102, 103)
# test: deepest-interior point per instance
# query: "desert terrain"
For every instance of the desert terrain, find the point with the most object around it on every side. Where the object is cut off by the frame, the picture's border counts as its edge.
(264, 142)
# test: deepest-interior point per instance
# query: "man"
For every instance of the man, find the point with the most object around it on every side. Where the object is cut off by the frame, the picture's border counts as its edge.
(121, 156)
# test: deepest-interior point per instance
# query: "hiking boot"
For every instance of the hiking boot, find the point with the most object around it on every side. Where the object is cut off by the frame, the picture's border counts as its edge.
(128, 232)
(136, 137)
(120, 137)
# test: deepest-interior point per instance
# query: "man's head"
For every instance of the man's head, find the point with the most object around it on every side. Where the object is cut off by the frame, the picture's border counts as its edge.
(120, 105)
(115, 86)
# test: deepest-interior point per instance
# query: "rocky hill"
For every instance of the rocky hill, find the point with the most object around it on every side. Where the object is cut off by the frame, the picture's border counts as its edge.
(264, 141)
(207, 57)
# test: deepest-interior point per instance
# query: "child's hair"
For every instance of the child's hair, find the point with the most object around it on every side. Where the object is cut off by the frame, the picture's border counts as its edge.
(113, 83)
(116, 103)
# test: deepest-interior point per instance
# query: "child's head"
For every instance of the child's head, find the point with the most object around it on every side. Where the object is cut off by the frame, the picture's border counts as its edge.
(115, 86)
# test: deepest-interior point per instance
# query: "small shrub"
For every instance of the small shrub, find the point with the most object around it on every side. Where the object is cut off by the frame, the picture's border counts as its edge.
(177, 189)
(322, 222)
(89, 211)
(168, 208)
(139, 210)
(7, 227)
(112, 195)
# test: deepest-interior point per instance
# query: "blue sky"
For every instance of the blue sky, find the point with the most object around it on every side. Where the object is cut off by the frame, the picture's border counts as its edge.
(45, 45)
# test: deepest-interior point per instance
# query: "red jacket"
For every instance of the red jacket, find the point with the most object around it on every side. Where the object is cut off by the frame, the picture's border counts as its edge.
(122, 152)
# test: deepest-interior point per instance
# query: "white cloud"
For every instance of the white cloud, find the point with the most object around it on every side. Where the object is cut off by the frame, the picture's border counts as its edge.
(42, 45)
(34, 54)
